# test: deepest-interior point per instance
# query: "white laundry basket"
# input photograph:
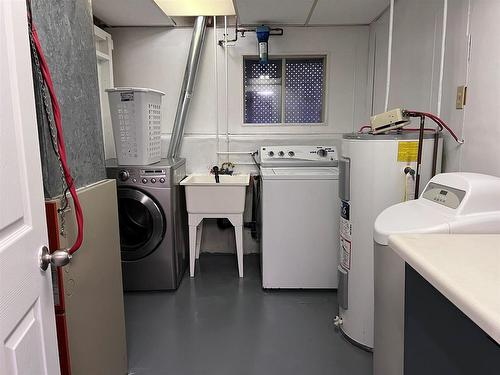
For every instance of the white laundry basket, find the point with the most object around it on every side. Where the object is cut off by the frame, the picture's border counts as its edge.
(136, 119)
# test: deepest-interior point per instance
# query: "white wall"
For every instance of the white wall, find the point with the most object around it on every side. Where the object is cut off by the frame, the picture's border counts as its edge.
(415, 73)
(379, 44)
(156, 57)
(482, 127)
(416, 53)
(455, 74)
(417, 61)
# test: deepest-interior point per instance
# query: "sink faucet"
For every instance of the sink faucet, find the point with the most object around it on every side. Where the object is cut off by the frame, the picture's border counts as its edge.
(215, 171)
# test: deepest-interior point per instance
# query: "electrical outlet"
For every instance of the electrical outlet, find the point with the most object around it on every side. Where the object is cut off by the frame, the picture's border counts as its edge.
(461, 96)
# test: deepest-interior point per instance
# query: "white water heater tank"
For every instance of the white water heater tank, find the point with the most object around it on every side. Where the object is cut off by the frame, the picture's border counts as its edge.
(375, 173)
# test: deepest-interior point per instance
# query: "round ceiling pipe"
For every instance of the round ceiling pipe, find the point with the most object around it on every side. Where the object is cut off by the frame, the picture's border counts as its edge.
(197, 40)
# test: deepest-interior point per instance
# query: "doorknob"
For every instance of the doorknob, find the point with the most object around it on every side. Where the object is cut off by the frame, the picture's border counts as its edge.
(58, 258)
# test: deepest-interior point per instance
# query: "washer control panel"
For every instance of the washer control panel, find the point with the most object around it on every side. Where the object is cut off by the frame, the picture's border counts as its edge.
(142, 176)
(298, 155)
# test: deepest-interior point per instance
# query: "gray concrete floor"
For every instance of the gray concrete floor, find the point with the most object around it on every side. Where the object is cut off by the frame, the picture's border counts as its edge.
(219, 324)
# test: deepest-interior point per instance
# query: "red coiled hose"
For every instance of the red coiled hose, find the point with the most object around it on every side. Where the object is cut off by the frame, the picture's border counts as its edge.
(441, 124)
(60, 140)
(438, 121)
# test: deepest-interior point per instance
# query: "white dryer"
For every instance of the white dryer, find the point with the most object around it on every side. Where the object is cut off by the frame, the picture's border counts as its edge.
(299, 217)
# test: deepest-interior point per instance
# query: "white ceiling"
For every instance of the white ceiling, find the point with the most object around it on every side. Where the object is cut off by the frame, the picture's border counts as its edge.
(309, 12)
(130, 13)
(347, 12)
(193, 8)
(288, 12)
(250, 12)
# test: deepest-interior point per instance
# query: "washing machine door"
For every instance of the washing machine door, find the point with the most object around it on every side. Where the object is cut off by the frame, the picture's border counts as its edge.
(142, 223)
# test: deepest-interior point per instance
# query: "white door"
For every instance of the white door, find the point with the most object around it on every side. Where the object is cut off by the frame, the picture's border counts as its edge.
(28, 342)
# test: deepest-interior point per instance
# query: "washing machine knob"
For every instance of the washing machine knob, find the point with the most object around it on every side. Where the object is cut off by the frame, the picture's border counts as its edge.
(291, 153)
(162, 180)
(322, 152)
(153, 180)
(144, 180)
(271, 153)
(123, 175)
(281, 153)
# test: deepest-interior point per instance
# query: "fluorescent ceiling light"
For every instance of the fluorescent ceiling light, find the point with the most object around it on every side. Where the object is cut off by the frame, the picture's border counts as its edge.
(178, 8)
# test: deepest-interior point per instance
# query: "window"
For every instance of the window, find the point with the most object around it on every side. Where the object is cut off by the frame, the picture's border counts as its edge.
(300, 101)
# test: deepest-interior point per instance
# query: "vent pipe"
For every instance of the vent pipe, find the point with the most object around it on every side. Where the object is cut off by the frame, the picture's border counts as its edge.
(199, 31)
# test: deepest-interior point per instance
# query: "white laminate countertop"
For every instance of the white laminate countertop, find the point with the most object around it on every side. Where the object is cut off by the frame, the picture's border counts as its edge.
(464, 268)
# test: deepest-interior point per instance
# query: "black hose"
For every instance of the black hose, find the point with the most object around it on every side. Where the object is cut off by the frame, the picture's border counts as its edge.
(419, 157)
(435, 153)
(256, 207)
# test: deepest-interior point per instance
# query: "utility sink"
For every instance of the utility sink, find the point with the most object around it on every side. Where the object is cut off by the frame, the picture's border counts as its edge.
(205, 196)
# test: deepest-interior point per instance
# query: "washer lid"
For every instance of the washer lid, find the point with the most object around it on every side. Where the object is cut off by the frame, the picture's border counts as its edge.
(411, 217)
(301, 173)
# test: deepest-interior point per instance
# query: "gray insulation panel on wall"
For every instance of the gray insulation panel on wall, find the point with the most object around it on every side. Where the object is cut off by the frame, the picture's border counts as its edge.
(66, 32)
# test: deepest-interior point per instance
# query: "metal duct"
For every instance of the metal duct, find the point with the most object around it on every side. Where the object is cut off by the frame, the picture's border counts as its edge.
(199, 31)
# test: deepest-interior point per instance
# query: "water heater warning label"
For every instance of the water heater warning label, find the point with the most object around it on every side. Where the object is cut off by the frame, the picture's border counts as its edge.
(345, 222)
(345, 235)
(344, 210)
(345, 228)
(345, 253)
(407, 151)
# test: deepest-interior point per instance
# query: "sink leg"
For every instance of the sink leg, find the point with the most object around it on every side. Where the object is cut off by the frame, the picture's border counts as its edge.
(192, 249)
(238, 231)
(199, 237)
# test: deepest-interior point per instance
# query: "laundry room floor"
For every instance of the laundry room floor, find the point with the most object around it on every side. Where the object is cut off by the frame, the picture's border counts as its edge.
(219, 324)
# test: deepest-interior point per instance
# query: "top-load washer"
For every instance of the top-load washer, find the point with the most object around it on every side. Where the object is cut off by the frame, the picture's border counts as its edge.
(153, 223)
(450, 203)
(299, 217)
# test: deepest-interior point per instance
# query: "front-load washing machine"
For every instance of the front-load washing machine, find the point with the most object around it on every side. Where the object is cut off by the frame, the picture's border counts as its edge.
(153, 223)
(299, 217)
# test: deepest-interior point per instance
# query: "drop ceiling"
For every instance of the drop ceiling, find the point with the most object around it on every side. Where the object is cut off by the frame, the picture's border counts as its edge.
(286, 12)
(250, 12)
(309, 12)
(347, 12)
(195, 8)
(130, 13)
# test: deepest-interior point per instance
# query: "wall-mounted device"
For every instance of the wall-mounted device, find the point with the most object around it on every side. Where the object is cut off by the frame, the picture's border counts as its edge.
(390, 120)
(263, 37)
(263, 33)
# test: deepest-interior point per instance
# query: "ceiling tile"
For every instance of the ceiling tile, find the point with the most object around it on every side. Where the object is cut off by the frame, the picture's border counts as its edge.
(192, 8)
(289, 12)
(130, 13)
(347, 12)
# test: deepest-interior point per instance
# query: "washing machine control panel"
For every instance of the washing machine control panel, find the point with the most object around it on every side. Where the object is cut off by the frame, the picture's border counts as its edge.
(141, 176)
(298, 155)
(123, 175)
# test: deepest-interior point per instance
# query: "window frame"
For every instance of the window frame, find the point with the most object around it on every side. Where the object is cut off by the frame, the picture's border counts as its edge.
(283, 59)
